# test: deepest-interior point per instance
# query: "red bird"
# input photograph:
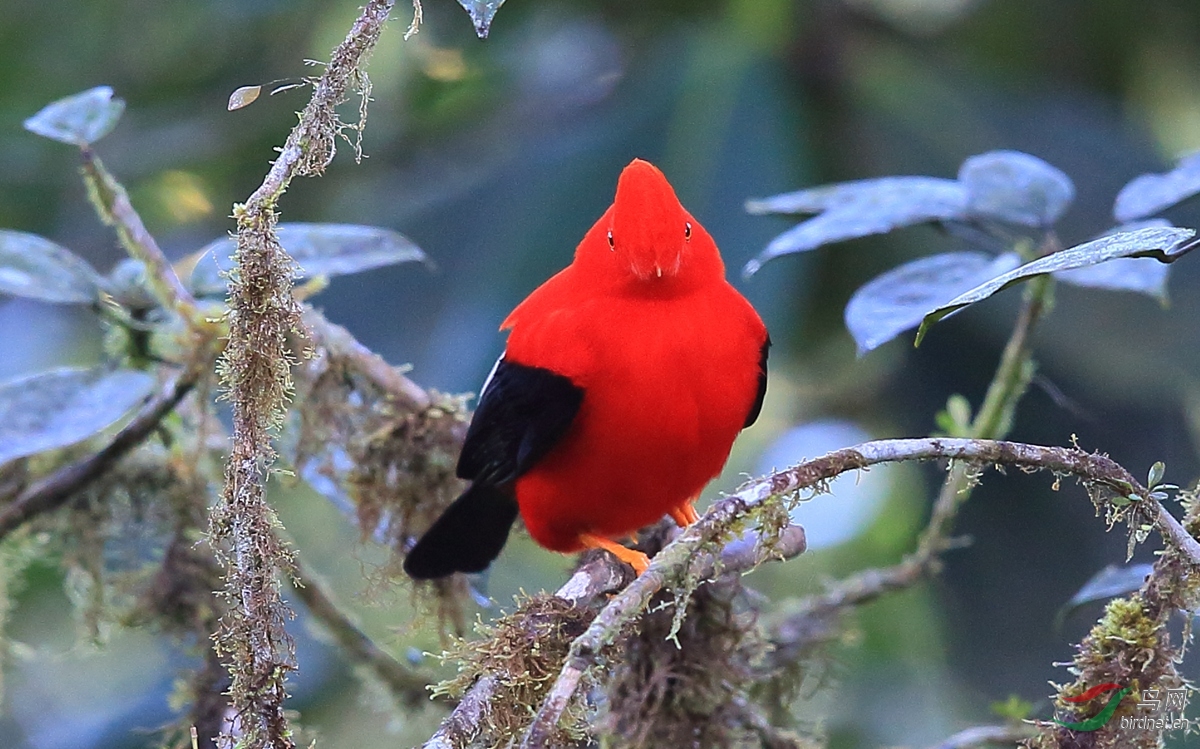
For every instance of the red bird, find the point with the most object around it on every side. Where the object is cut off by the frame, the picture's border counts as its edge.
(626, 379)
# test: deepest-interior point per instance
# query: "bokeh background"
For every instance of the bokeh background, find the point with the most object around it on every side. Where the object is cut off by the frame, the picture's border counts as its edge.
(495, 156)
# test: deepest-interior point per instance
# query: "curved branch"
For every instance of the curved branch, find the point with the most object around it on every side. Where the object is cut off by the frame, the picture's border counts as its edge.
(600, 576)
(673, 562)
(387, 378)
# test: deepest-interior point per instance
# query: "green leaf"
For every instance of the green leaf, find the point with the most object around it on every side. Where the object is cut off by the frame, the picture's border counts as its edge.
(64, 406)
(1162, 243)
(319, 249)
(1153, 193)
(897, 300)
(36, 268)
(1138, 274)
(959, 409)
(79, 120)
(1015, 188)
(1013, 708)
(850, 210)
(482, 12)
(1155, 476)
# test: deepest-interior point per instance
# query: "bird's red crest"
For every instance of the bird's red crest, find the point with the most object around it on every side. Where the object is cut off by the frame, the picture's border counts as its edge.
(650, 229)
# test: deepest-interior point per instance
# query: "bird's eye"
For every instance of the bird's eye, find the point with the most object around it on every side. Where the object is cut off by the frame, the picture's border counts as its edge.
(611, 245)
(687, 229)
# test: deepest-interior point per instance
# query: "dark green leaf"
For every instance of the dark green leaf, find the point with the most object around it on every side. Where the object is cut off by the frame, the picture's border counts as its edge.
(34, 267)
(1140, 274)
(64, 406)
(1152, 193)
(898, 300)
(482, 12)
(81, 119)
(319, 249)
(1162, 243)
(1015, 188)
(858, 209)
(1143, 275)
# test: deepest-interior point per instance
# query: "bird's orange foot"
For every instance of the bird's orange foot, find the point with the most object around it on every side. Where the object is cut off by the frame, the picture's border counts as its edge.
(685, 514)
(635, 559)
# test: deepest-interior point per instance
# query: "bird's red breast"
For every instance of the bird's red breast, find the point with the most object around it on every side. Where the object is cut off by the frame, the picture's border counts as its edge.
(669, 358)
(625, 380)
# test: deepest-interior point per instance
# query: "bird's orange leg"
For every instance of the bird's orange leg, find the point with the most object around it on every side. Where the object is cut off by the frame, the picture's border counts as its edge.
(635, 559)
(685, 514)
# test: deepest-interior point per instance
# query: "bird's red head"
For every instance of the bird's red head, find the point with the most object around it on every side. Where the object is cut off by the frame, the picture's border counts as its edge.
(648, 228)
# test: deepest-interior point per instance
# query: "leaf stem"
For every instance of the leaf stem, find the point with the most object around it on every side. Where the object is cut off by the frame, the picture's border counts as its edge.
(112, 204)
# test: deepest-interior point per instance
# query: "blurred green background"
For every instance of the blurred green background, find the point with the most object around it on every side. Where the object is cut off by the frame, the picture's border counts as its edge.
(496, 156)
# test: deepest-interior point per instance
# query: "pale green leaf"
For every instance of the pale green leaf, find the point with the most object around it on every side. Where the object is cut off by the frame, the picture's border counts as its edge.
(1161, 243)
(36, 268)
(319, 249)
(81, 119)
(58, 408)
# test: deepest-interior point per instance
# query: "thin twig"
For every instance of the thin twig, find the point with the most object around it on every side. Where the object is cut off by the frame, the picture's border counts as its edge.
(55, 490)
(112, 202)
(675, 559)
(382, 375)
(813, 619)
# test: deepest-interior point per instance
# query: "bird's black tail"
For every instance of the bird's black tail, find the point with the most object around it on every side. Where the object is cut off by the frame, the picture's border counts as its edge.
(468, 535)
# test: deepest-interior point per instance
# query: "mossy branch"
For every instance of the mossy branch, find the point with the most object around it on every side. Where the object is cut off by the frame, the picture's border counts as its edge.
(676, 559)
(256, 371)
(599, 576)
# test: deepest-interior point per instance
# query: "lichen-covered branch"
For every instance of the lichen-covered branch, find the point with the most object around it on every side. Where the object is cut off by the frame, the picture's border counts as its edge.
(1130, 645)
(256, 371)
(674, 562)
(600, 576)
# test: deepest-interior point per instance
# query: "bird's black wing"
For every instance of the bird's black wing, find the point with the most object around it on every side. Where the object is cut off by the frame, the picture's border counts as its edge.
(523, 412)
(756, 408)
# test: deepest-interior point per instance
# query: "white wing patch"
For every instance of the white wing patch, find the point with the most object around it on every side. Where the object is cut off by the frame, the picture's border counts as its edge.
(488, 381)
